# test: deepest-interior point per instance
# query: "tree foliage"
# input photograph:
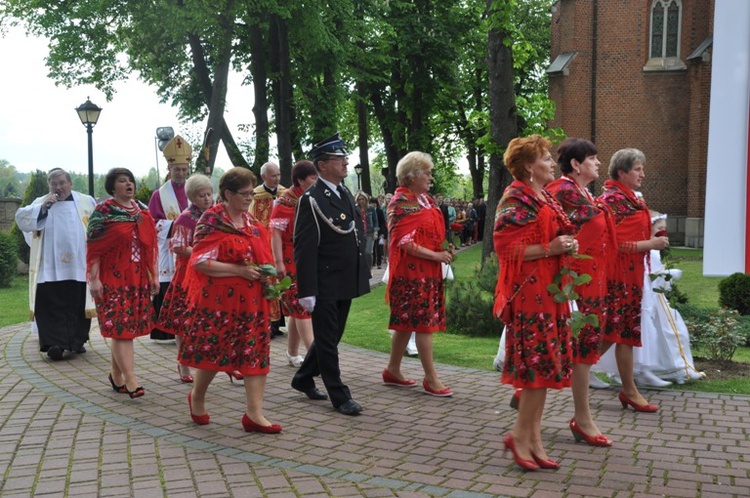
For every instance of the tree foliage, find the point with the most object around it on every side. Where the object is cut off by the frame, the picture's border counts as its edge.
(392, 76)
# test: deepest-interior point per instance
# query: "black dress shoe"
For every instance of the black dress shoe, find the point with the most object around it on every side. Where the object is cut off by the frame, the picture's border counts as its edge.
(78, 350)
(55, 352)
(312, 393)
(350, 407)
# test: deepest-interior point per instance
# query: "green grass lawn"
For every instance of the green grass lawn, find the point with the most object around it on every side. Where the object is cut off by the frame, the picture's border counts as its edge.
(702, 291)
(14, 302)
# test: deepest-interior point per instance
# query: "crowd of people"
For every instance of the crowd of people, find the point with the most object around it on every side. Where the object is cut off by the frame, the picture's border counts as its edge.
(200, 271)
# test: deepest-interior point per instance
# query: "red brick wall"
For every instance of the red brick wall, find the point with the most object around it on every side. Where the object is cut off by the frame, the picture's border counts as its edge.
(664, 113)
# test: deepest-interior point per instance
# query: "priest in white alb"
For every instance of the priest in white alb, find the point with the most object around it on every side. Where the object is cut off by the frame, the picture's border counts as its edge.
(165, 206)
(54, 225)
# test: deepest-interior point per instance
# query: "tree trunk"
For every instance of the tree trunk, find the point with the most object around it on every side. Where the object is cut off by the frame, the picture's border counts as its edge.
(392, 153)
(283, 94)
(260, 105)
(503, 121)
(362, 131)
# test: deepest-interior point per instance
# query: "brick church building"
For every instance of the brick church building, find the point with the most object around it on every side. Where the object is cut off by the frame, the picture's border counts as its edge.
(637, 73)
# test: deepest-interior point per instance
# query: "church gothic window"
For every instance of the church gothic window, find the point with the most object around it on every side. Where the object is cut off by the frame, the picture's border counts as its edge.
(664, 46)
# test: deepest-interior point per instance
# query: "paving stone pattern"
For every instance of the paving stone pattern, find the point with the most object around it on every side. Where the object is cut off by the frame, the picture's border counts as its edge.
(64, 432)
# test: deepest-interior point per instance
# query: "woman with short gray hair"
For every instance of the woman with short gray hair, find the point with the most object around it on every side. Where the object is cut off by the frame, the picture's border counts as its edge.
(625, 285)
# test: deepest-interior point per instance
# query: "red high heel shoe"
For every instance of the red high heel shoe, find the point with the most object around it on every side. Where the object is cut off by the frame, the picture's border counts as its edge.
(118, 389)
(545, 464)
(204, 419)
(648, 407)
(251, 426)
(578, 434)
(235, 374)
(510, 445)
(185, 379)
(390, 380)
(516, 399)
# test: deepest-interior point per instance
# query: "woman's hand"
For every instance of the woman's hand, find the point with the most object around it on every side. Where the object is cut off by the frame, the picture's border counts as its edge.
(250, 272)
(154, 286)
(280, 269)
(562, 244)
(443, 257)
(96, 288)
(659, 243)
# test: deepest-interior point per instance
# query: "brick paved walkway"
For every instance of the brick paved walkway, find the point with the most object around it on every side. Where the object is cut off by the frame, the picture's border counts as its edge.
(64, 432)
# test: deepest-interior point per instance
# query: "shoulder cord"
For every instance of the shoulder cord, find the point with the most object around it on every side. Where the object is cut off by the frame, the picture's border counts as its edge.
(329, 222)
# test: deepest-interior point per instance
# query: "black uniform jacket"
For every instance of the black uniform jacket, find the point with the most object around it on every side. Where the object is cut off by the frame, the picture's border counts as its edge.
(329, 245)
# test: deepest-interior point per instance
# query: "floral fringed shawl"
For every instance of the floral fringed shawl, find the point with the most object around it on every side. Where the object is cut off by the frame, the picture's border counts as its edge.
(596, 238)
(125, 246)
(415, 285)
(521, 220)
(625, 286)
(538, 343)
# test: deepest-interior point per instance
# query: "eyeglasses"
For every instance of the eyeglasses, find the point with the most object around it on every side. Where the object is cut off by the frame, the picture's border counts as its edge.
(247, 194)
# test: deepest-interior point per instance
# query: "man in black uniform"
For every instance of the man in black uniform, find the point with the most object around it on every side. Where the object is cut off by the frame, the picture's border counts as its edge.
(329, 254)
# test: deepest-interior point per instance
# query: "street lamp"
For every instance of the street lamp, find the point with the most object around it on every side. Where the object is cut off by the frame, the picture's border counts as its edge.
(358, 170)
(88, 112)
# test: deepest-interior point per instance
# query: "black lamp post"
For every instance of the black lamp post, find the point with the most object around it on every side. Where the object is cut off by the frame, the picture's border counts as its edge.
(358, 170)
(88, 112)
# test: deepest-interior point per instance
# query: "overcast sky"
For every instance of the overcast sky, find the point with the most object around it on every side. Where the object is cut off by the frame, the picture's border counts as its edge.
(40, 129)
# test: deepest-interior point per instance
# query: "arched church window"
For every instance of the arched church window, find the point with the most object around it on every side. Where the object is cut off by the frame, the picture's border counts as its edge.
(665, 28)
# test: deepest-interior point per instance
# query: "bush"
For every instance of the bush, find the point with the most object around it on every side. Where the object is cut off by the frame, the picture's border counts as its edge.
(37, 187)
(144, 194)
(469, 303)
(8, 259)
(720, 336)
(734, 293)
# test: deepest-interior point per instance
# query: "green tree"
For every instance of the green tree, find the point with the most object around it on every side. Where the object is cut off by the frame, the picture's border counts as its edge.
(37, 187)
(10, 184)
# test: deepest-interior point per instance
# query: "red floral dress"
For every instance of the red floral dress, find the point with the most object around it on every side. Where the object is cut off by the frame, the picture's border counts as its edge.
(228, 323)
(415, 285)
(125, 246)
(537, 349)
(595, 235)
(174, 307)
(282, 219)
(625, 285)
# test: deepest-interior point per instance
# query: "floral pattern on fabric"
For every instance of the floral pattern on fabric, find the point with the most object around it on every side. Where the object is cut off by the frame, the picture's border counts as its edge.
(228, 326)
(415, 285)
(538, 342)
(625, 286)
(125, 246)
(174, 307)
(595, 238)
(282, 219)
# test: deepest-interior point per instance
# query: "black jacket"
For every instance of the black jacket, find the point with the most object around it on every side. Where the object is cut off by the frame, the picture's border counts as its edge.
(328, 253)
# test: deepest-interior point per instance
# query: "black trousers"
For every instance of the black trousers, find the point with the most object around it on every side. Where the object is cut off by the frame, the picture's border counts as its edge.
(157, 333)
(59, 312)
(329, 320)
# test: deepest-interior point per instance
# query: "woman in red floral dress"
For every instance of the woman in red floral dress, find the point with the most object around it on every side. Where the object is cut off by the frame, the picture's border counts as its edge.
(173, 312)
(625, 286)
(595, 235)
(282, 243)
(121, 265)
(415, 282)
(531, 233)
(228, 327)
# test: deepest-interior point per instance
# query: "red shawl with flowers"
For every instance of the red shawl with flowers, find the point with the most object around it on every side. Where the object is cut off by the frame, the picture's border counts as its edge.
(282, 219)
(125, 247)
(538, 348)
(522, 219)
(596, 238)
(625, 286)
(415, 285)
(228, 327)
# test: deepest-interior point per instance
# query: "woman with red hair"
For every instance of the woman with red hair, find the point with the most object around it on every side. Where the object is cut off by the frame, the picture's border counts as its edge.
(531, 234)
